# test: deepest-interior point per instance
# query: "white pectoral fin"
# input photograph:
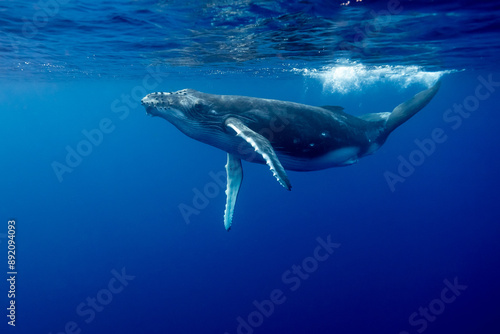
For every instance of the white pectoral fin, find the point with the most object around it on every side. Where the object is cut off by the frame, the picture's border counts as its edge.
(234, 177)
(263, 147)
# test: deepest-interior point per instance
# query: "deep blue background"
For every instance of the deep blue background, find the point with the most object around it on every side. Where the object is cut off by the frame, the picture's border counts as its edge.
(119, 208)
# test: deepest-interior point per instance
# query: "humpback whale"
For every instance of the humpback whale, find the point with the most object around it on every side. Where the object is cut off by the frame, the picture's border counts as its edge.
(283, 135)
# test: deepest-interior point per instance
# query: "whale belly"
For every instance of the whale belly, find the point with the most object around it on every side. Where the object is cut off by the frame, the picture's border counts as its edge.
(340, 157)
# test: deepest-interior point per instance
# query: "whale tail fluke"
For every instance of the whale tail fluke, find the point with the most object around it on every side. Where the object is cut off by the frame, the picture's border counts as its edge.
(406, 110)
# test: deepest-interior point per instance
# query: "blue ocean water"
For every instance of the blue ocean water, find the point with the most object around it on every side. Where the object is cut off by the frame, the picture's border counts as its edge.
(405, 241)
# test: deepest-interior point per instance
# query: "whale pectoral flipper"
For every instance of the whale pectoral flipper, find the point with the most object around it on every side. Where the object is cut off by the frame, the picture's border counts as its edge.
(263, 147)
(234, 177)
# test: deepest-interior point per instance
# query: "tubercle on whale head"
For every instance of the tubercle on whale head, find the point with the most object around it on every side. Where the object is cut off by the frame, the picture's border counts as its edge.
(149, 102)
(165, 103)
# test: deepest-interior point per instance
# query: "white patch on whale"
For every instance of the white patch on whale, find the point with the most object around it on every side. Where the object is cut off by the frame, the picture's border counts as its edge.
(337, 157)
(340, 157)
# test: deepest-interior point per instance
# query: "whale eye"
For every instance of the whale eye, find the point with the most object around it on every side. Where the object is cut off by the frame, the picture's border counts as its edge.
(198, 106)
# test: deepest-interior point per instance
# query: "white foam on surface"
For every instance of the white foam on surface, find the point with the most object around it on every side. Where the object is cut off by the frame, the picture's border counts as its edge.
(347, 76)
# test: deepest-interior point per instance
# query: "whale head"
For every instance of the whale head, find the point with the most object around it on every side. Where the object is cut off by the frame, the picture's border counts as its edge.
(192, 112)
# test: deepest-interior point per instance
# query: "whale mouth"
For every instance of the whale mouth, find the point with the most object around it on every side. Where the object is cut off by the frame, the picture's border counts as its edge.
(163, 105)
(151, 111)
(153, 104)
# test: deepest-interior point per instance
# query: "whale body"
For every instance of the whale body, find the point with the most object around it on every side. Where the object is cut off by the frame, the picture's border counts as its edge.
(283, 135)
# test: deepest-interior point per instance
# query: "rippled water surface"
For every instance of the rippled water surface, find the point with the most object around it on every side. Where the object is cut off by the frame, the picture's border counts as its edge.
(109, 39)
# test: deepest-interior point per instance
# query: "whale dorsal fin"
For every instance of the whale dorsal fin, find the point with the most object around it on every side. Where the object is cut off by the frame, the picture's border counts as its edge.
(333, 108)
(263, 147)
(234, 177)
